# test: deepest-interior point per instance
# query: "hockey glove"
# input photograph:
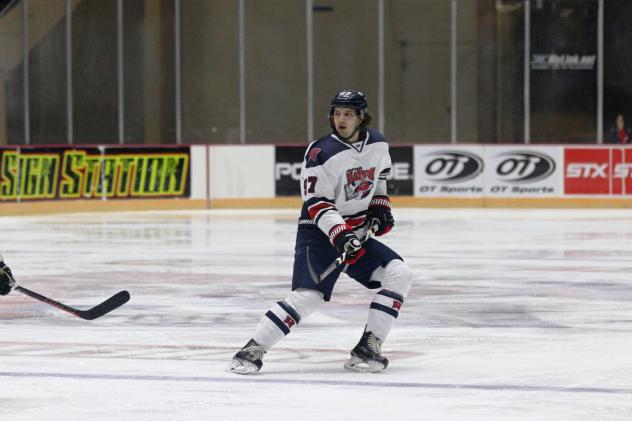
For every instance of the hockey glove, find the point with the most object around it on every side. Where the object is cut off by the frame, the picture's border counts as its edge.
(379, 214)
(348, 243)
(6, 278)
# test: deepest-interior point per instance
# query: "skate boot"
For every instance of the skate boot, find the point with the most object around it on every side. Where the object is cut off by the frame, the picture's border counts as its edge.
(248, 359)
(367, 355)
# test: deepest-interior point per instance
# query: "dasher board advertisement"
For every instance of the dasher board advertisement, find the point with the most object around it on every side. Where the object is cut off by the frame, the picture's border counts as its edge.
(287, 170)
(289, 159)
(514, 171)
(598, 171)
(449, 171)
(488, 171)
(49, 173)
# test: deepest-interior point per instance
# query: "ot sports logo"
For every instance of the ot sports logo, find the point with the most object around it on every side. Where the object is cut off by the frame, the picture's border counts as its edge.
(524, 167)
(453, 167)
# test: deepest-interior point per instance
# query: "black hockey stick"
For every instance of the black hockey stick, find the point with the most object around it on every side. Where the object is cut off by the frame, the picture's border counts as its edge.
(334, 265)
(95, 312)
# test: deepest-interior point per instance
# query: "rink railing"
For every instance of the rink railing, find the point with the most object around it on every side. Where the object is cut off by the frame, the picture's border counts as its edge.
(110, 177)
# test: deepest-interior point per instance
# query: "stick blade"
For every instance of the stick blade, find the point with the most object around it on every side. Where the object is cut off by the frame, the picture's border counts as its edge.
(105, 307)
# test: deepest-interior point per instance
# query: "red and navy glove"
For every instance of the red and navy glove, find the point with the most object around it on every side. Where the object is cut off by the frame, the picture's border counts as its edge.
(6, 279)
(379, 214)
(347, 243)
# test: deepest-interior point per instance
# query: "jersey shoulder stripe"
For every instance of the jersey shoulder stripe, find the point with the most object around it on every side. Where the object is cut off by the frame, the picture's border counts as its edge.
(321, 150)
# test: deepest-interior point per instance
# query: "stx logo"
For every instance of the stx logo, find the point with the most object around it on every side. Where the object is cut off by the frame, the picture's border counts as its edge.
(623, 171)
(587, 170)
(600, 171)
(453, 167)
(357, 174)
(397, 305)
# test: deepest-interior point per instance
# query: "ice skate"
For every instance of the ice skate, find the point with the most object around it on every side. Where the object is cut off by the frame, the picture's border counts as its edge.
(248, 359)
(367, 355)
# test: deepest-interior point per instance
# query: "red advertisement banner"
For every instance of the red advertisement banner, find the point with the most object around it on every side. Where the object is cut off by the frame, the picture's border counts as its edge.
(598, 171)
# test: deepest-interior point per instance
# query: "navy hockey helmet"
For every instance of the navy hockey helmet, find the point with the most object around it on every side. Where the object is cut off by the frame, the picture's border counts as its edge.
(350, 99)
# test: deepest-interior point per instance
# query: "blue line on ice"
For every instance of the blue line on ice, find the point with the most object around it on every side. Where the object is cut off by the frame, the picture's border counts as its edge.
(316, 382)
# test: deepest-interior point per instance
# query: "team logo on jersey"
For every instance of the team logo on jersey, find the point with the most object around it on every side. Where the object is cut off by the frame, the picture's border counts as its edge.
(359, 183)
(313, 154)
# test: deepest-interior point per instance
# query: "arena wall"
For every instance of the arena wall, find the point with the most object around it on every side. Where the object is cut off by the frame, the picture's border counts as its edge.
(51, 179)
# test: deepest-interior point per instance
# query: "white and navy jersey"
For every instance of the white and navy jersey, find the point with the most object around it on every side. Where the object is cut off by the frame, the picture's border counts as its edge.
(338, 181)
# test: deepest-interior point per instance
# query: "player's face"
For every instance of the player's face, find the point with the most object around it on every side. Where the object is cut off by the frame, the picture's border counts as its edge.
(346, 120)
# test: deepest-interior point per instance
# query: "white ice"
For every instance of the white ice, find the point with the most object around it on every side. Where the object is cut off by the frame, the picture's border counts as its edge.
(514, 315)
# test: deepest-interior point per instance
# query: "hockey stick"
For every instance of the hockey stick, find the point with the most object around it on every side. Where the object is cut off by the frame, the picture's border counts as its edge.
(334, 265)
(95, 312)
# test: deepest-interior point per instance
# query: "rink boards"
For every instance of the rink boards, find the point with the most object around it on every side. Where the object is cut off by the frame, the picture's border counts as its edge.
(56, 178)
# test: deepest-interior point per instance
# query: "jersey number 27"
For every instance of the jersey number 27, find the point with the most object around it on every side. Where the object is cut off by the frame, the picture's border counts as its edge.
(309, 184)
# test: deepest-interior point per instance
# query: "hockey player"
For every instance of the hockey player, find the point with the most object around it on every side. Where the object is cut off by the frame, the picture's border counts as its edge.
(6, 278)
(343, 179)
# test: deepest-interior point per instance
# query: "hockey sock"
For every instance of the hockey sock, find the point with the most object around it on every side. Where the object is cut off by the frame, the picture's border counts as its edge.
(396, 280)
(284, 315)
(383, 311)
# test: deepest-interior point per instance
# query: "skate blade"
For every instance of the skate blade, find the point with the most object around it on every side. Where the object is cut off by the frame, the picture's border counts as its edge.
(360, 366)
(242, 367)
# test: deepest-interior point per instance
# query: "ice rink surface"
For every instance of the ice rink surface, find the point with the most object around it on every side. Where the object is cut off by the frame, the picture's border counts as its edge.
(514, 315)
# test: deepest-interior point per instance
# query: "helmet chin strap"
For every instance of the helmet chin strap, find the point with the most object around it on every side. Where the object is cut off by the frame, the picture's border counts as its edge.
(354, 131)
(351, 135)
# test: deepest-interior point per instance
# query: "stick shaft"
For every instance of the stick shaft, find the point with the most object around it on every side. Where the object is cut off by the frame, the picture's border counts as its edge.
(340, 260)
(95, 312)
(47, 300)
